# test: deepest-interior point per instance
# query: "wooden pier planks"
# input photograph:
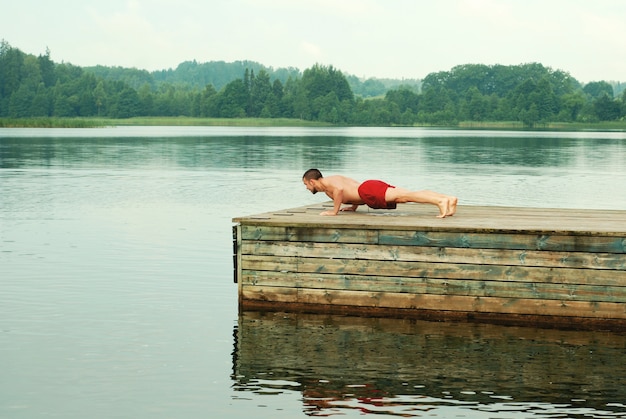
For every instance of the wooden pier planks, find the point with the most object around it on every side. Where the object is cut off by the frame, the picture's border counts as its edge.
(546, 264)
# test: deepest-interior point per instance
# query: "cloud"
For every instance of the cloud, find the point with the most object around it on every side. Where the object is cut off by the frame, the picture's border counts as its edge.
(497, 12)
(123, 23)
(378, 38)
(135, 35)
(311, 50)
(344, 9)
(604, 29)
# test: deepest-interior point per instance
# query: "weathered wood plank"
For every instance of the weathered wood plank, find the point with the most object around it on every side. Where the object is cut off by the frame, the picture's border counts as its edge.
(572, 243)
(437, 254)
(473, 219)
(480, 288)
(237, 253)
(307, 234)
(434, 270)
(452, 303)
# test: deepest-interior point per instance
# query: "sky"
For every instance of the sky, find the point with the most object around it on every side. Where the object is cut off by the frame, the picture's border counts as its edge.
(400, 39)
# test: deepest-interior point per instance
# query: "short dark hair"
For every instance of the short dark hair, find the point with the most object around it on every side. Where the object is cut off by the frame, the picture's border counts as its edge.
(312, 174)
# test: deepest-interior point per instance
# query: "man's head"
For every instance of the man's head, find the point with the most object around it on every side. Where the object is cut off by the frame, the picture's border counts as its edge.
(311, 178)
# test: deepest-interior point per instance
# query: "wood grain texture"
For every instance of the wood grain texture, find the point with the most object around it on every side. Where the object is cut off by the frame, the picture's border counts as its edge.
(528, 262)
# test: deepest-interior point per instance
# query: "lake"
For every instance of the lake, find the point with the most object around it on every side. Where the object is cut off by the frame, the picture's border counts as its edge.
(116, 278)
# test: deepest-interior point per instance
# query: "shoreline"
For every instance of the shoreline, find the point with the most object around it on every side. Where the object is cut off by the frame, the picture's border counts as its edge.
(51, 122)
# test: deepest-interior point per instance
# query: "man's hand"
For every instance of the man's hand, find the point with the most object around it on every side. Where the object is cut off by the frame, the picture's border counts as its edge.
(328, 213)
(351, 208)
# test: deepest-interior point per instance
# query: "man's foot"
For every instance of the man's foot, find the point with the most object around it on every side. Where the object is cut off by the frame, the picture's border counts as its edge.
(451, 210)
(443, 205)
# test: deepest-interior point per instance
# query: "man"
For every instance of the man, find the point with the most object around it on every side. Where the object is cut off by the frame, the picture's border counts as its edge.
(373, 193)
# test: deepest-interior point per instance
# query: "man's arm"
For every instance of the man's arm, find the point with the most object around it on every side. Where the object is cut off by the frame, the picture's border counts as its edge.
(337, 201)
(352, 208)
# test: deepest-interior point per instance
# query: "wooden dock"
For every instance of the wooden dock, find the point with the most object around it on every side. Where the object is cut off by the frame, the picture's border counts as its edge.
(546, 267)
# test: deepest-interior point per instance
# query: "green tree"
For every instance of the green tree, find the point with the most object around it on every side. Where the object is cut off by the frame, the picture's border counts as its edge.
(271, 108)
(41, 104)
(435, 99)
(278, 93)
(606, 108)
(532, 93)
(163, 105)
(67, 73)
(326, 108)
(20, 102)
(146, 99)
(404, 98)
(503, 109)
(100, 97)
(571, 106)
(371, 88)
(46, 66)
(11, 69)
(318, 81)
(529, 117)
(544, 99)
(477, 106)
(31, 72)
(233, 100)
(171, 100)
(84, 89)
(295, 103)
(63, 105)
(534, 102)
(407, 118)
(480, 92)
(597, 89)
(260, 89)
(207, 104)
(86, 103)
(126, 104)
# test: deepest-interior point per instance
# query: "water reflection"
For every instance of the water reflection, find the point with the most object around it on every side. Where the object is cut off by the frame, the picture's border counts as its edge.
(530, 152)
(252, 152)
(301, 152)
(406, 368)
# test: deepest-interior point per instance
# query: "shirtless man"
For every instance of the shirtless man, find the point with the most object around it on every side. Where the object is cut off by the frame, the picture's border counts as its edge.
(373, 193)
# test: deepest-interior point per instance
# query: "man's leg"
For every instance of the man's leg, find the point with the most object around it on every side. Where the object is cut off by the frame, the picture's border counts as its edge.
(446, 204)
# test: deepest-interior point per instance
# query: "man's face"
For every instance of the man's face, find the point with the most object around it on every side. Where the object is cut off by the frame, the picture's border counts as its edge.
(310, 185)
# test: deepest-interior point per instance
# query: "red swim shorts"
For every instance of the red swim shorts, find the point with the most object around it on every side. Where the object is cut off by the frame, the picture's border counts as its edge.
(372, 192)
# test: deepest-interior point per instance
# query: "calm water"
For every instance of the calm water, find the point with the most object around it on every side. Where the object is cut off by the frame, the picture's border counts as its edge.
(117, 298)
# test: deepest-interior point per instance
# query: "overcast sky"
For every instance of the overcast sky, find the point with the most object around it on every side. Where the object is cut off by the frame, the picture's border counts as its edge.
(367, 38)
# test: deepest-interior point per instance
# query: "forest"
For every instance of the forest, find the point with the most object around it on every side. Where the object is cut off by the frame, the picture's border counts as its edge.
(530, 94)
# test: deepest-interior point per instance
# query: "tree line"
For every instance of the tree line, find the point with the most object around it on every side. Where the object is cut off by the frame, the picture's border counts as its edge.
(35, 86)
